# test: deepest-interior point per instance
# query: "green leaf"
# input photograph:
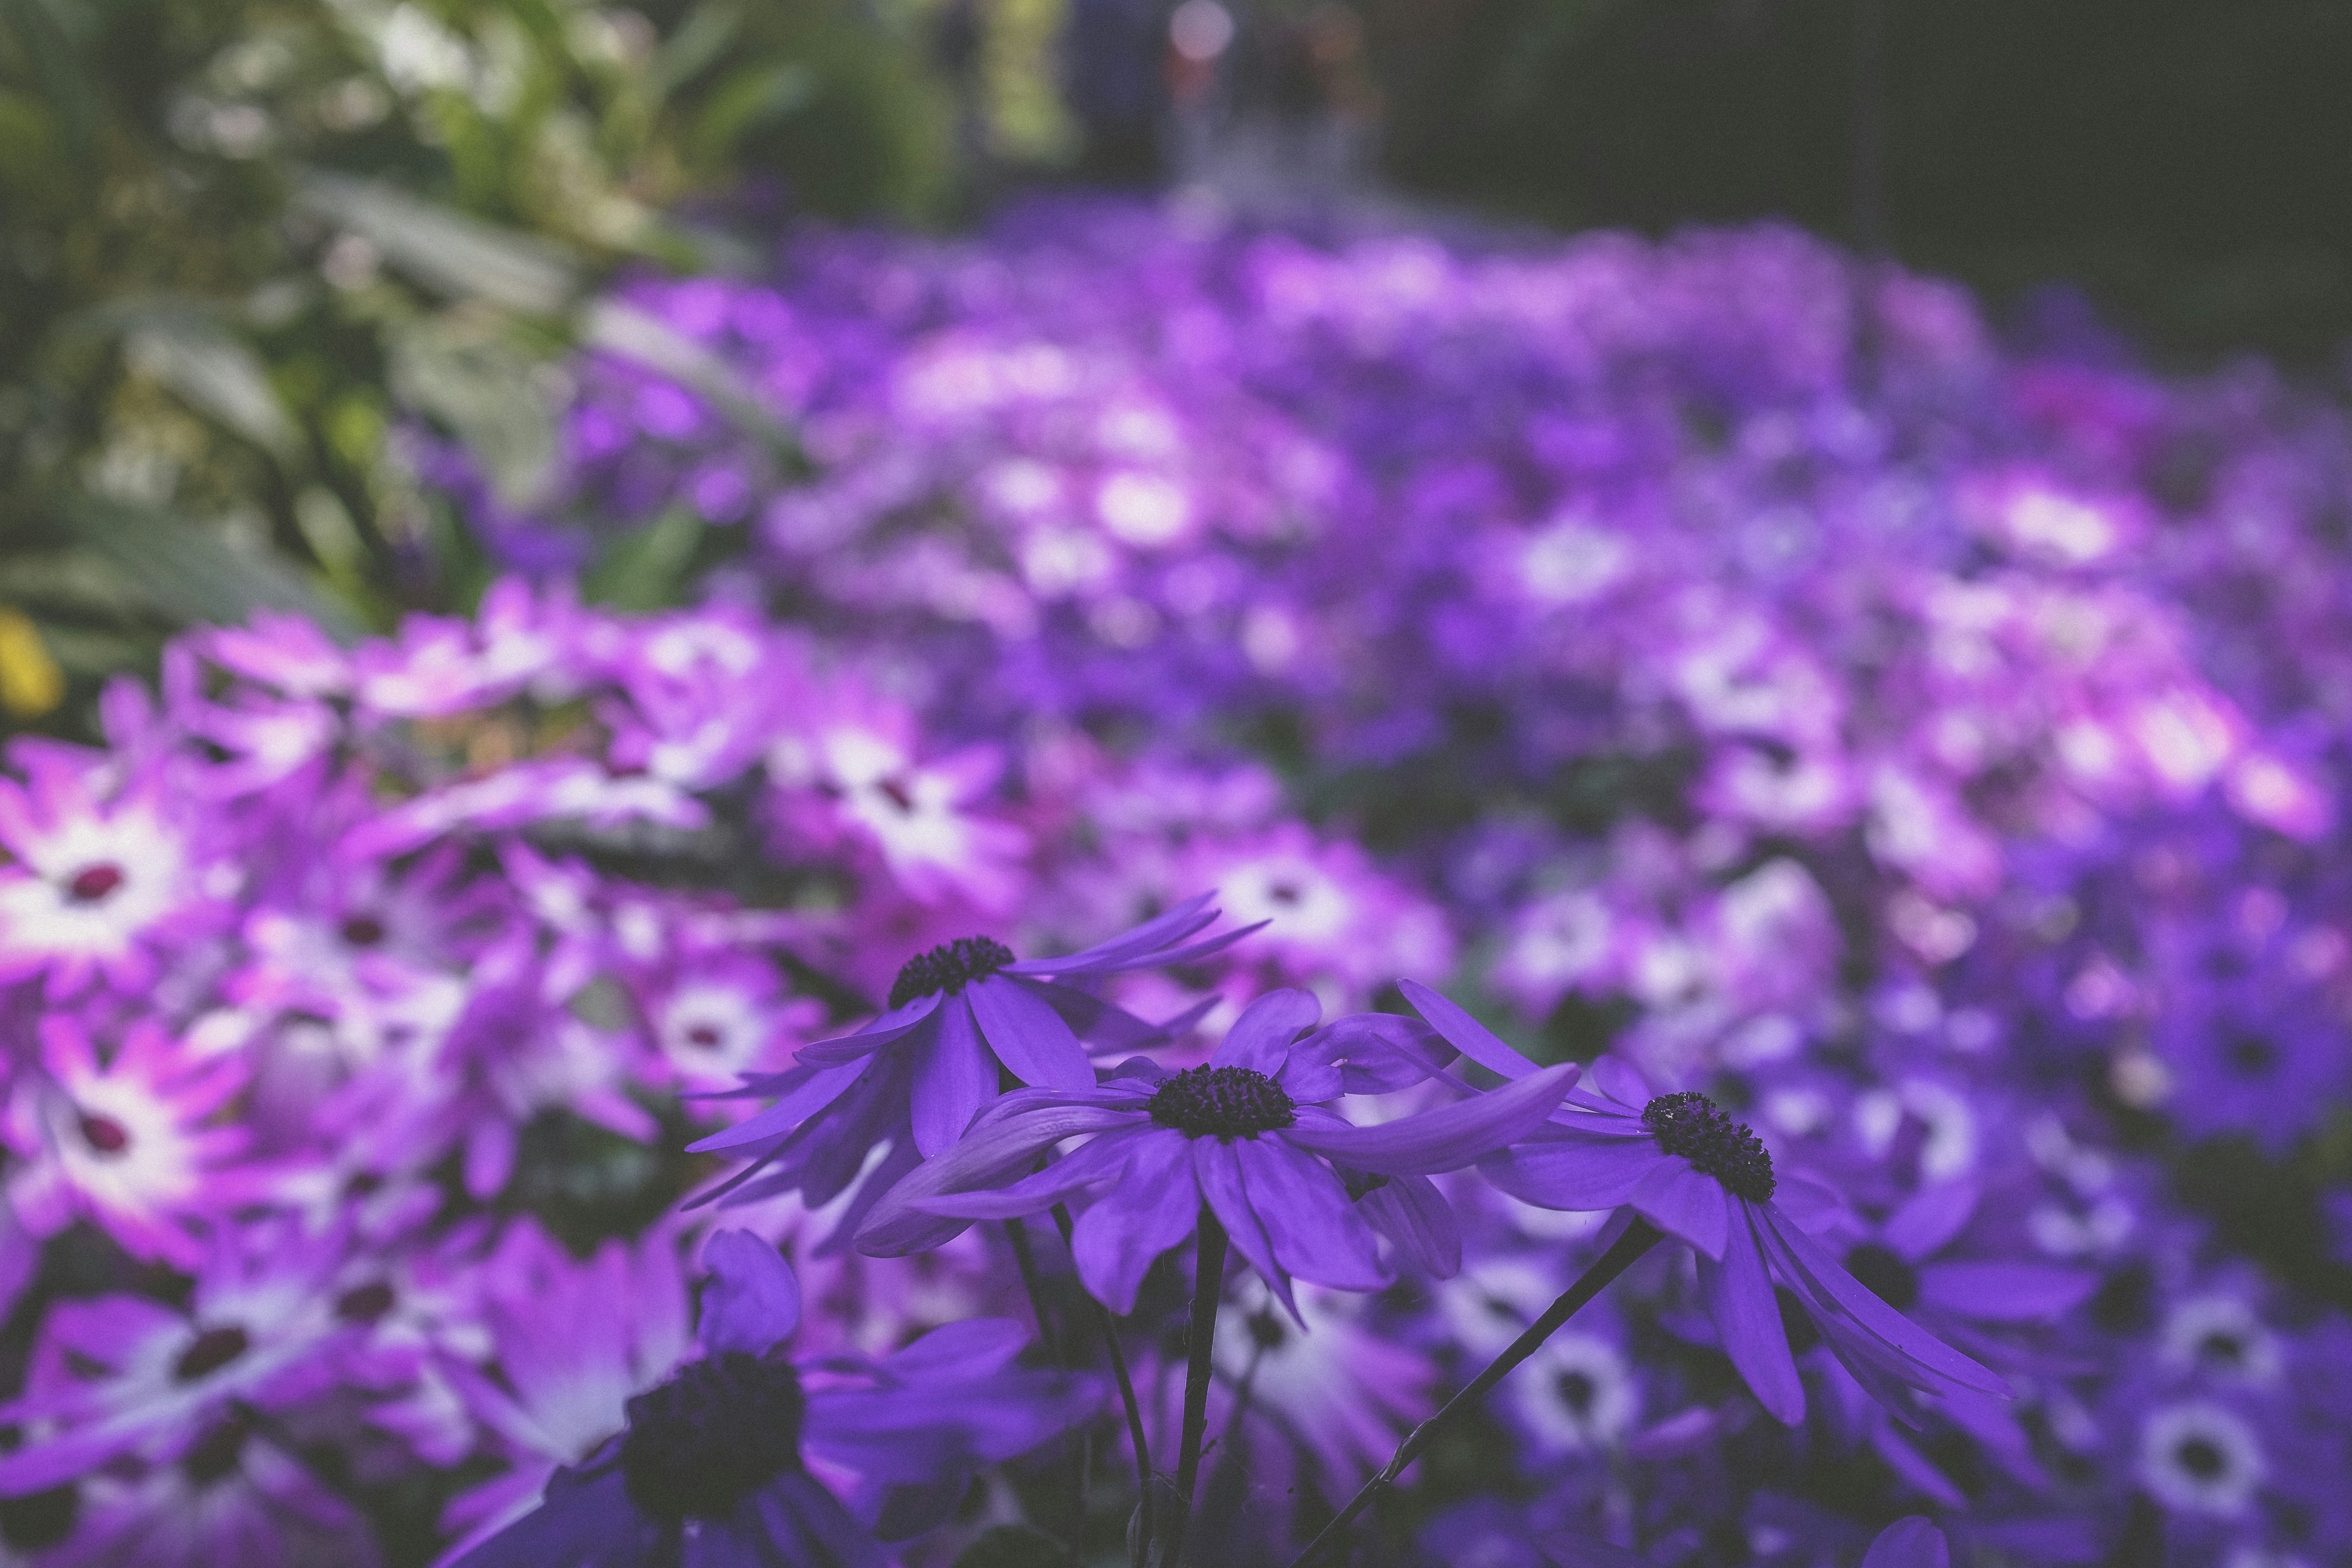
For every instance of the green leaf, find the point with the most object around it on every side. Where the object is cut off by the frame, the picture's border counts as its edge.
(56, 70)
(189, 573)
(647, 570)
(447, 251)
(198, 359)
(750, 97)
(463, 372)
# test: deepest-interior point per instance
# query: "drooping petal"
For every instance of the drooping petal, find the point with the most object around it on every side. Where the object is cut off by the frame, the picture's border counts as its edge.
(1315, 1232)
(1930, 1218)
(953, 1079)
(995, 1153)
(800, 1101)
(752, 1302)
(1100, 1161)
(1174, 925)
(1028, 1037)
(1912, 1543)
(1465, 1033)
(2006, 1292)
(1417, 1221)
(1846, 1311)
(1808, 1202)
(1445, 1139)
(1260, 1038)
(1378, 1052)
(892, 1026)
(1620, 1081)
(806, 1525)
(1738, 1294)
(1573, 1173)
(1682, 1200)
(1116, 1240)
(1099, 1024)
(1219, 1170)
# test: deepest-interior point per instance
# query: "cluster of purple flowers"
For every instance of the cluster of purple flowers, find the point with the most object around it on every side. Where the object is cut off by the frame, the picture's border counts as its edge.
(1902, 773)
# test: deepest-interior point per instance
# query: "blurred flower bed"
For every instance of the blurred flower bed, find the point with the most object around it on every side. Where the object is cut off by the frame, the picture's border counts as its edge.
(1712, 649)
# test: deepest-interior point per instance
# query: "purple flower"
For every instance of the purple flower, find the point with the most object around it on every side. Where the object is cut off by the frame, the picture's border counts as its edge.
(1249, 1136)
(1687, 1168)
(961, 1017)
(713, 1466)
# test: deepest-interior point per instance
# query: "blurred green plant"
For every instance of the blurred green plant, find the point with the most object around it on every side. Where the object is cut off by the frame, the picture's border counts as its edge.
(247, 242)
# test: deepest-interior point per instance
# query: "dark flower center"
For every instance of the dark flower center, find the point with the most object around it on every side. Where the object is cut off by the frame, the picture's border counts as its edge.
(38, 1521)
(1689, 1125)
(213, 1349)
(2252, 1055)
(1223, 1103)
(705, 1036)
(1883, 1274)
(2223, 1348)
(712, 1436)
(363, 931)
(212, 1457)
(92, 883)
(364, 1303)
(1575, 1391)
(2201, 1458)
(105, 1135)
(949, 968)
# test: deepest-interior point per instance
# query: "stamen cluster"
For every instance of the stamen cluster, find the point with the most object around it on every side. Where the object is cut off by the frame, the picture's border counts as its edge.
(1690, 1125)
(1223, 1103)
(710, 1437)
(949, 967)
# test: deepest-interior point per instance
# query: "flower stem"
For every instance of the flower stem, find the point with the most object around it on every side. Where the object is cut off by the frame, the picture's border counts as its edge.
(1637, 1239)
(1208, 1293)
(1109, 1332)
(1016, 1231)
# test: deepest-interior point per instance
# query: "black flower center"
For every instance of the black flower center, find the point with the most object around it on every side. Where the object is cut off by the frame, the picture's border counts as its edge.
(1223, 1103)
(365, 1303)
(363, 931)
(104, 1134)
(2222, 1348)
(92, 883)
(1689, 1125)
(2252, 1056)
(710, 1437)
(212, 1349)
(949, 968)
(1883, 1274)
(38, 1521)
(2201, 1458)
(705, 1036)
(1576, 1390)
(213, 1457)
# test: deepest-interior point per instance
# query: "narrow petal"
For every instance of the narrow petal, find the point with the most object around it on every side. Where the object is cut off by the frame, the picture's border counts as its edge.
(1910, 1543)
(1219, 1170)
(1620, 1081)
(752, 1302)
(1808, 1202)
(1738, 1294)
(892, 1026)
(1154, 1209)
(1174, 925)
(1447, 1138)
(1100, 1161)
(1842, 1307)
(1315, 1231)
(1573, 1173)
(995, 1153)
(1932, 1216)
(1099, 1026)
(953, 1079)
(1260, 1038)
(1684, 1200)
(1377, 1052)
(1417, 1221)
(1028, 1037)
(803, 1099)
(1465, 1033)
(2006, 1292)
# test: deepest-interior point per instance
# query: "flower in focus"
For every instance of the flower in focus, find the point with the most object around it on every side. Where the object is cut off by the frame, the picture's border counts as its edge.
(1698, 1175)
(713, 1464)
(1248, 1137)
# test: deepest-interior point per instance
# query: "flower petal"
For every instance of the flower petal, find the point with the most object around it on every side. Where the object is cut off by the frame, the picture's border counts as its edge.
(1417, 1221)
(1465, 1033)
(1218, 1169)
(1684, 1200)
(1738, 1294)
(1315, 1232)
(2006, 1292)
(1154, 1209)
(1844, 1309)
(752, 1302)
(1260, 1038)
(1573, 1173)
(803, 1098)
(1447, 1138)
(993, 1153)
(1028, 1037)
(890, 1027)
(1910, 1543)
(1173, 926)
(1100, 1160)
(953, 1079)
(1930, 1218)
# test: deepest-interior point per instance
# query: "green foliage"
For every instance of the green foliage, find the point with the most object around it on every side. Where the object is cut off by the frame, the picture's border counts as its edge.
(251, 241)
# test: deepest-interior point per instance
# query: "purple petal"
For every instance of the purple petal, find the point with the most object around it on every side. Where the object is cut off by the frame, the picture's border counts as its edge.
(1912, 1466)
(1154, 1209)
(1809, 1203)
(1910, 1543)
(1377, 1052)
(1738, 1294)
(953, 1080)
(1174, 925)
(1099, 1026)
(970, 1347)
(1417, 1221)
(1100, 1160)
(1028, 1037)
(996, 1152)
(1218, 1169)
(1447, 1138)
(1260, 1038)
(810, 1095)
(1620, 1081)
(1684, 1200)
(890, 1027)
(1573, 1173)
(2006, 1292)
(1844, 1309)
(796, 1505)
(751, 1303)
(1465, 1033)
(1315, 1231)
(1930, 1219)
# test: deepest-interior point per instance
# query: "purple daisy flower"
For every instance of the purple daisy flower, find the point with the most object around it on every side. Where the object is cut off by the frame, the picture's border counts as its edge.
(1691, 1170)
(1249, 1136)
(961, 1017)
(712, 1468)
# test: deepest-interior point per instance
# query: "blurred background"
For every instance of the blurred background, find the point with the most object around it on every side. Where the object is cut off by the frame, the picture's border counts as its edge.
(249, 242)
